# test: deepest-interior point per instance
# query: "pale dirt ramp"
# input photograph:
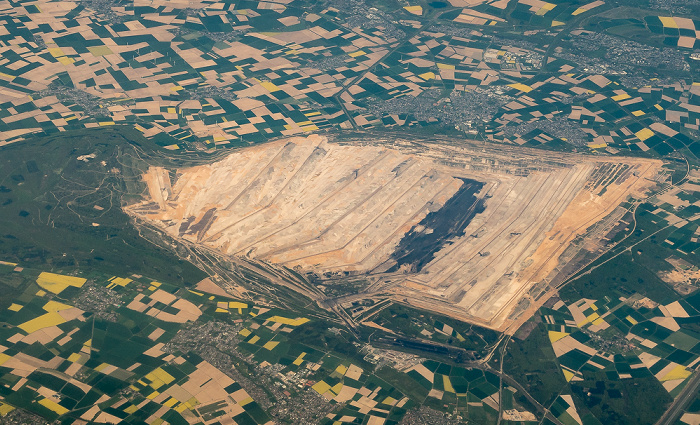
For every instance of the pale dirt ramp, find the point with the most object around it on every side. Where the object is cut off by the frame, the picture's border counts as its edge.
(326, 207)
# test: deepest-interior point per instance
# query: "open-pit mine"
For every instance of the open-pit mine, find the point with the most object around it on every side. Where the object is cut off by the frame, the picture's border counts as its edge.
(461, 229)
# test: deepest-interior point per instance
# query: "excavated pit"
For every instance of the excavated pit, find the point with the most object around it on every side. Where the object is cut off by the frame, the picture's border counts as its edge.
(467, 231)
(307, 203)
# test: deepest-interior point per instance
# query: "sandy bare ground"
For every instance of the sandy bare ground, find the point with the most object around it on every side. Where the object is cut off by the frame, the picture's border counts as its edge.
(325, 207)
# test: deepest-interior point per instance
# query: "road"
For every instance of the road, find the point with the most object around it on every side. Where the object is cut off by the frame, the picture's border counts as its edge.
(574, 23)
(333, 306)
(359, 78)
(513, 383)
(504, 377)
(681, 402)
(483, 364)
(500, 376)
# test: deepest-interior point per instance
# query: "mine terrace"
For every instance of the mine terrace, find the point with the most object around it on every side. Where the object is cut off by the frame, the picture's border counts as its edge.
(472, 231)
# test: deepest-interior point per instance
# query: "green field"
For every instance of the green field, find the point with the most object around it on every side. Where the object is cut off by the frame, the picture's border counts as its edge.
(50, 202)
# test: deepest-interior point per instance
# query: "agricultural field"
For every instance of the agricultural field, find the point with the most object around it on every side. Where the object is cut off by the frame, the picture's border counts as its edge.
(611, 354)
(649, 344)
(60, 201)
(680, 32)
(431, 327)
(62, 361)
(232, 75)
(463, 240)
(624, 331)
(134, 357)
(399, 212)
(630, 324)
(692, 414)
(662, 266)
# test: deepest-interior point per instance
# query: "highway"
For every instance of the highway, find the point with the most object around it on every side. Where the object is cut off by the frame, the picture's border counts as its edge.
(682, 401)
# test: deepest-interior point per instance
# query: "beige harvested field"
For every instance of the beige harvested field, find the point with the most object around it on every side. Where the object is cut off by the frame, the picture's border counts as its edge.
(325, 207)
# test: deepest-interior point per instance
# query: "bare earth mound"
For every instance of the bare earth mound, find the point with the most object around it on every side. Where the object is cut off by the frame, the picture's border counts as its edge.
(459, 231)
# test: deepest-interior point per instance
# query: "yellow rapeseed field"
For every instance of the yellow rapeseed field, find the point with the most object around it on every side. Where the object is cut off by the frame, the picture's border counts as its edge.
(56, 283)
(287, 321)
